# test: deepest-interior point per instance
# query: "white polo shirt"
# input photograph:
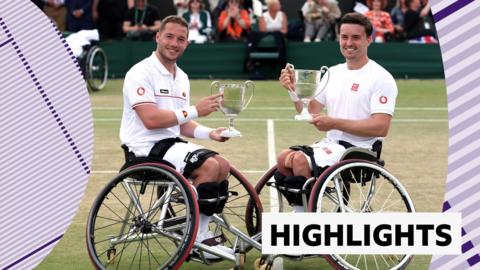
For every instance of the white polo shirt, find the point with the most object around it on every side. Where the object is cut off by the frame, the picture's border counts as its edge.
(356, 95)
(149, 82)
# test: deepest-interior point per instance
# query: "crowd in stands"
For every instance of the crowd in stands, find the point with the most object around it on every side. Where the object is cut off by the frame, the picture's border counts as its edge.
(239, 20)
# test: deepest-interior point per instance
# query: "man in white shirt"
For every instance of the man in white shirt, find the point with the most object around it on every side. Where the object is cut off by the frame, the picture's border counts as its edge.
(359, 98)
(157, 111)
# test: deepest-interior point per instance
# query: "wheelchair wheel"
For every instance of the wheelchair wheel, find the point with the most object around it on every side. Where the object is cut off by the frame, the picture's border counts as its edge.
(243, 208)
(96, 68)
(360, 186)
(145, 218)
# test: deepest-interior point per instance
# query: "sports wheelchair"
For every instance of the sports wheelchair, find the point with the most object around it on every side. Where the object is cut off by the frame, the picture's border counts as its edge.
(147, 216)
(94, 64)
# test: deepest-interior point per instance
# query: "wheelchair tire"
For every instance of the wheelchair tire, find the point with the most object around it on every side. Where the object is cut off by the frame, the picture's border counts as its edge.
(145, 218)
(242, 199)
(96, 68)
(366, 187)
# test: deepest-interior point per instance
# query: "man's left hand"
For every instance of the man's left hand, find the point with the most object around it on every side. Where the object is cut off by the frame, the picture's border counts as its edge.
(215, 135)
(323, 122)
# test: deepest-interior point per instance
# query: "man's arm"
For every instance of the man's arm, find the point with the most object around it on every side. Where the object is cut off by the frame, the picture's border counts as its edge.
(377, 125)
(154, 117)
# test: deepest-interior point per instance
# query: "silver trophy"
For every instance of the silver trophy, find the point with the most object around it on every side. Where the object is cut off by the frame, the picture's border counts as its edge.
(235, 98)
(306, 83)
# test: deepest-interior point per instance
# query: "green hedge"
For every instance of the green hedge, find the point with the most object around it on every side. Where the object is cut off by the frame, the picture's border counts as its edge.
(225, 60)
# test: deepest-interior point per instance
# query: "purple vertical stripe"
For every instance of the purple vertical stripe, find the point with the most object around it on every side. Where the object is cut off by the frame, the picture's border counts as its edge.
(33, 252)
(6, 42)
(442, 14)
(46, 99)
(474, 260)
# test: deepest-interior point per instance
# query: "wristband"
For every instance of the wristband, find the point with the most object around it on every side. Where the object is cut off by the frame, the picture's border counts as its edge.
(202, 132)
(293, 96)
(186, 114)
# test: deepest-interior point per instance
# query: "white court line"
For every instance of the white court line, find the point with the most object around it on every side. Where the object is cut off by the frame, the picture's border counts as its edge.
(274, 207)
(406, 120)
(105, 108)
(115, 172)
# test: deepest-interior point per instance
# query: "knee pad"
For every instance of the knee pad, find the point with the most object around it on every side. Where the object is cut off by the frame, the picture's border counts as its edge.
(294, 182)
(195, 159)
(212, 197)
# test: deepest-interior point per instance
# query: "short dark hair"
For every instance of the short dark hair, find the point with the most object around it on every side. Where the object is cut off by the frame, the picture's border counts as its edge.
(357, 18)
(173, 19)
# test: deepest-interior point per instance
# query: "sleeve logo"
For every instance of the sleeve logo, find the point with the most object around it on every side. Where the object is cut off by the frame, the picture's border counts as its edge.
(140, 91)
(185, 114)
(383, 99)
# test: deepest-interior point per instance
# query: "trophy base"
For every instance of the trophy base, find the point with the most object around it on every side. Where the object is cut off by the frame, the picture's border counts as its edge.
(230, 133)
(304, 117)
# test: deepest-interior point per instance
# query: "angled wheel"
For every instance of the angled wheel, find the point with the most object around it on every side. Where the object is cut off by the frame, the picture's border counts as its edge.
(357, 186)
(145, 218)
(96, 68)
(242, 198)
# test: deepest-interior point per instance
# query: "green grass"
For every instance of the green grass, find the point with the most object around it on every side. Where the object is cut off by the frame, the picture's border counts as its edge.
(415, 152)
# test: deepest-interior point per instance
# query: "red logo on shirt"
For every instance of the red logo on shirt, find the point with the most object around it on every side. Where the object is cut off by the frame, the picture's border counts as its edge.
(141, 91)
(327, 151)
(355, 87)
(185, 114)
(383, 99)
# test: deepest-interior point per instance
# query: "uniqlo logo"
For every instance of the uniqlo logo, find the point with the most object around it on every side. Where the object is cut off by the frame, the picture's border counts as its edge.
(327, 151)
(355, 87)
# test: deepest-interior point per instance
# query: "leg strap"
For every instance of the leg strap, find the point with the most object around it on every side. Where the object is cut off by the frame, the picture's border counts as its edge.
(316, 171)
(195, 159)
(212, 197)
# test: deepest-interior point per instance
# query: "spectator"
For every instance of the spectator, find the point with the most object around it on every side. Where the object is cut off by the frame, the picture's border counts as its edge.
(181, 6)
(398, 18)
(417, 24)
(141, 22)
(319, 16)
(79, 15)
(109, 15)
(55, 9)
(274, 19)
(199, 22)
(234, 22)
(381, 20)
(272, 23)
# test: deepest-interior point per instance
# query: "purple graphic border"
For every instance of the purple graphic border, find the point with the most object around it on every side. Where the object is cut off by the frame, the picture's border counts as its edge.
(53, 241)
(44, 95)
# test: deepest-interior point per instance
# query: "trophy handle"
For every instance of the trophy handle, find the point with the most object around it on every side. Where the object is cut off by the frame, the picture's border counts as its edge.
(324, 70)
(215, 85)
(249, 85)
(289, 66)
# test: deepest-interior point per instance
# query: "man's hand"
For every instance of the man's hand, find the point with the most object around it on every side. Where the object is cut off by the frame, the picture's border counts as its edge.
(287, 78)
(207, 105)
(323, 122)
(215, 135)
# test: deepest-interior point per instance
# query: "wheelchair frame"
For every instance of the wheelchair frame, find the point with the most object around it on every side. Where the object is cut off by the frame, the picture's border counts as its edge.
(94, 65)
(330, 185)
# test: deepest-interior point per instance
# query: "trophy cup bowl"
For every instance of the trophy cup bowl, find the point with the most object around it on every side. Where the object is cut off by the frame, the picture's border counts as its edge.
(235, 98)
(306, 83)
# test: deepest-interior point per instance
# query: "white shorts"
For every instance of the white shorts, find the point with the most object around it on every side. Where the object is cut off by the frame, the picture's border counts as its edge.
(177, 153)
(326, 152)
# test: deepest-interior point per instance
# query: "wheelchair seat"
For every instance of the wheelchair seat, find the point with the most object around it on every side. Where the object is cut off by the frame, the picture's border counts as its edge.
(131, 160)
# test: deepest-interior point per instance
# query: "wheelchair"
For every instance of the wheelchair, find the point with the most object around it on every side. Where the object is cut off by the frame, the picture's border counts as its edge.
(94, 64)
(358, 183)
(147, 216)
